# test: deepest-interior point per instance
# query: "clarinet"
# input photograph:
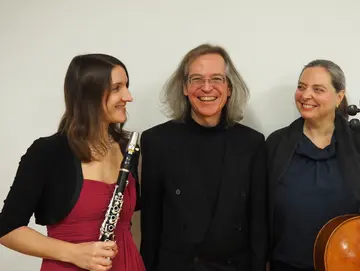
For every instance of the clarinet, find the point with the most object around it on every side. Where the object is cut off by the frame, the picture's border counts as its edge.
(107, 230)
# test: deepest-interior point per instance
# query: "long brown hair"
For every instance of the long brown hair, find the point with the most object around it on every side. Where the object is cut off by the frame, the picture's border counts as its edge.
(87, 82)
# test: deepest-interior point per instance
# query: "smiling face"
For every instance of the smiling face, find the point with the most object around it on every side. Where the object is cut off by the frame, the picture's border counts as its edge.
(207, 88)
(316, 98)
(114, 103)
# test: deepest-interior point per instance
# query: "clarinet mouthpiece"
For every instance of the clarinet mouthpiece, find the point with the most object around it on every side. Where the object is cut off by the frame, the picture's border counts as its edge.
(132, 145)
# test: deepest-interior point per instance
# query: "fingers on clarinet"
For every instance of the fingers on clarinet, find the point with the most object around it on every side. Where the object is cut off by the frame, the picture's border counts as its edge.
(109, 254)
(102, 264)
(115, 247)
(109, 245)
(104, 261)
(102, 268)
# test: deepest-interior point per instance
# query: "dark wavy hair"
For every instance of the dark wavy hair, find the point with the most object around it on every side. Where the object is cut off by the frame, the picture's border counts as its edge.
(87, 83)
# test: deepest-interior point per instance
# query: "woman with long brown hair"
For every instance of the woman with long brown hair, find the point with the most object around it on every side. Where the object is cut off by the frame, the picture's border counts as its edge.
(67, 179)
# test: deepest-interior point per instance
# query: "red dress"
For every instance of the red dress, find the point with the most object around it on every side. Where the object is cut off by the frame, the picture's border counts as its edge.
(84, 221)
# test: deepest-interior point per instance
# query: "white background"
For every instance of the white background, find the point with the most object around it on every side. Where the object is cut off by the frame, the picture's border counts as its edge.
(269, 41)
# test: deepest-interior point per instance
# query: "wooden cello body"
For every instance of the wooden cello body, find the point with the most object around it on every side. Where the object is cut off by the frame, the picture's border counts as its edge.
(337, 246)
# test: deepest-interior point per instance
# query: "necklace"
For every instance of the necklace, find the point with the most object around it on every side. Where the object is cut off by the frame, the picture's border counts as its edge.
(100, 149)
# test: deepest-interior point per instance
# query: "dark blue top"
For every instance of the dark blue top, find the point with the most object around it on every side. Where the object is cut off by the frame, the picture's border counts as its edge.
(311, 192)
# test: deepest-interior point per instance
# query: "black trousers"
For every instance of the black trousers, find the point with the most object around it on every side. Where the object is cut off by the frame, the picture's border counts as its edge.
(279, 266)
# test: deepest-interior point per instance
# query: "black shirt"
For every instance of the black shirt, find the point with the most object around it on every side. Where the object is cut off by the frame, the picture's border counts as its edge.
(186, 172)
(207, 160)
(311, 192)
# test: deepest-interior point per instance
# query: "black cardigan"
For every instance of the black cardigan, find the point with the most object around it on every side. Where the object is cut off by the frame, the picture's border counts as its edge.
(176, 214)
(281, 146)
(47, 184)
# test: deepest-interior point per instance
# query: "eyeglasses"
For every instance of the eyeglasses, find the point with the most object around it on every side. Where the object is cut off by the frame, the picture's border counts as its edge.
(200, 80)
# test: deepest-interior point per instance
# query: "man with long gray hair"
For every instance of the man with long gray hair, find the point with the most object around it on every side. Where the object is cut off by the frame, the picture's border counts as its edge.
(203, 173)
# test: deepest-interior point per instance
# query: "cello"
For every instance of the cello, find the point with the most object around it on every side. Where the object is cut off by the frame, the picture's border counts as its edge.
(337, 245)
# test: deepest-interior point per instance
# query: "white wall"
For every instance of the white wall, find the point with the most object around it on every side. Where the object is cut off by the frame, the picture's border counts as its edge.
(269, 41)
